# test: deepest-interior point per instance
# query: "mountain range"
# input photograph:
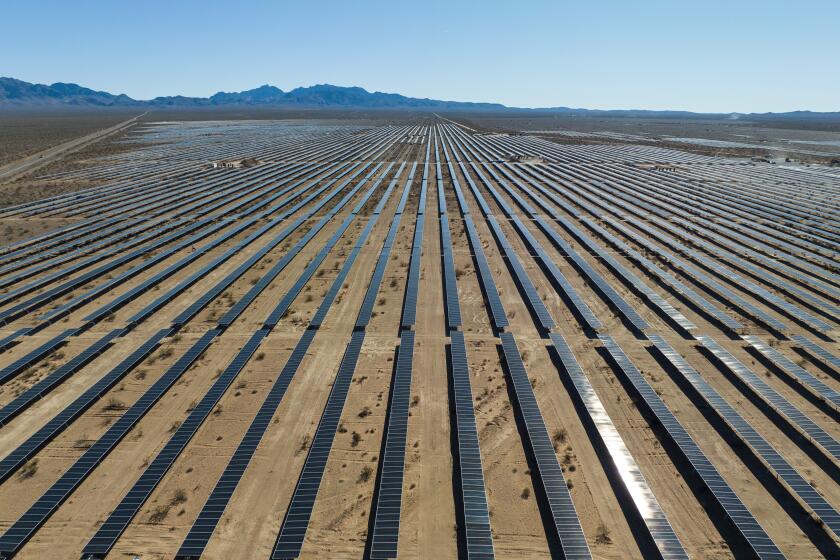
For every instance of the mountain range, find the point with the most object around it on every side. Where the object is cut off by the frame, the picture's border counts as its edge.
(20, 94)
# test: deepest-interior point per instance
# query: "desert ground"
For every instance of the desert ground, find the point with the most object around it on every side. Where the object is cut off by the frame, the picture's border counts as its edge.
(339, 334)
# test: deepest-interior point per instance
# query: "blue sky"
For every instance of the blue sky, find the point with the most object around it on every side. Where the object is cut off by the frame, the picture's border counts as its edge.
(739, 55)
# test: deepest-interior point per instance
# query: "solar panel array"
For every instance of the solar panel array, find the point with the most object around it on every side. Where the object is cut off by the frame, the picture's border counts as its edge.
(536, 305)
(116, 523)
(761, 545)
(384, 538)
(744, 430)
(386, 525)
(750, 249)
(604, 289)
(779, 404)
(121, 516)
(796, 372)
(474, 512)
(23, 529)
(817, 351)
(15, 537)
(25, 451)
(207, 520)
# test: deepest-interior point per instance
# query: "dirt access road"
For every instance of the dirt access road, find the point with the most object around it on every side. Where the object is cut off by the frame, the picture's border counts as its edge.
(27, 164)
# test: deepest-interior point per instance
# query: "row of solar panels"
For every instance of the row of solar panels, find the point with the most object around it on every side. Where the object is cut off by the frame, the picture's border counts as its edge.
(672, 195)
(384, 538)
(746, 433)
(143, 250)
(128, 187)
(474, 523)
(564, 288)
(723, 319)
(223, 198)
(636, 199)
(726, 500)
(118, 520)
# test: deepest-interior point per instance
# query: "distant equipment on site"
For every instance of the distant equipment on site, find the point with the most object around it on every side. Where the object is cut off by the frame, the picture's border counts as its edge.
(236, 163)
(525, 158)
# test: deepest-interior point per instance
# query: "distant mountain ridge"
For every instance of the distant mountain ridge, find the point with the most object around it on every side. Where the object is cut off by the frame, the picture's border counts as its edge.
(20, 94)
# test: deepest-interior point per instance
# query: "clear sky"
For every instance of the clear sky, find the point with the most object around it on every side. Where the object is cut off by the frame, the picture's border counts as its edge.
(737, 55)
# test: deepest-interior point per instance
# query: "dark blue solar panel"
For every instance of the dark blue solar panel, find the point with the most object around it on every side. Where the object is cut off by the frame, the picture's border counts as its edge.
(566, 523)
(386, 524)
(296, 521)
(476, 514)
(25, 451)
(35, 355)
(453, 308)
(51, 381)
(214, 507)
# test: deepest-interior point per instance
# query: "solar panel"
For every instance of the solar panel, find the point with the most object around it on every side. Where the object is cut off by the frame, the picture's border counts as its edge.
(623, 465)
(409, 315)
(220, 287)
(202, 529)
(296, 521)
(364, 316)
(771, 299)
(746, 433)
(453, 308)
(162, 300)
(780, 404)
(12, 339)
(726, 498)
(689, 295)
(23, 529)
(491, 293)
(601, 286)
(476, 515)
(386, 525)
(566, 523)
(523, 282)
